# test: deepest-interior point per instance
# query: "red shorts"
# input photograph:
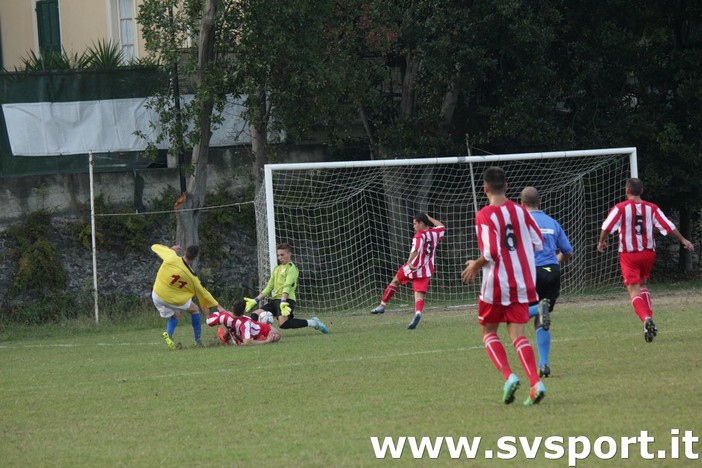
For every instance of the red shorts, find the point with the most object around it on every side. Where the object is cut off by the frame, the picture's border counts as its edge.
(418, 284)
(636, 265)
(498, 313)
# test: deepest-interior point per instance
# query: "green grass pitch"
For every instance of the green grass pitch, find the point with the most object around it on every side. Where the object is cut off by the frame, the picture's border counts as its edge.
(116, 396)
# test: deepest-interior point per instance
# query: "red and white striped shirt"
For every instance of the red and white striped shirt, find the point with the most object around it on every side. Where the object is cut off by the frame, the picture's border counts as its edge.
(507, 238)
(635, 221)
(424, 243)
(244, 327)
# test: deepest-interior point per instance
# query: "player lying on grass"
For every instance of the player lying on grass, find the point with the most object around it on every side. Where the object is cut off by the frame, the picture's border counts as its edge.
(240, 329)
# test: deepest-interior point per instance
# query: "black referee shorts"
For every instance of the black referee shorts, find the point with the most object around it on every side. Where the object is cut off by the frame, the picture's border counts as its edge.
(548, 283)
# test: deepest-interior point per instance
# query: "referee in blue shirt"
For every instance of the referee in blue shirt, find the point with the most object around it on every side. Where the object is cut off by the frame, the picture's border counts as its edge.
(557, 249)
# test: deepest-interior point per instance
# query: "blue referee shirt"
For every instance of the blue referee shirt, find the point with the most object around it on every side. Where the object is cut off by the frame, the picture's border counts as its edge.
(554, 238)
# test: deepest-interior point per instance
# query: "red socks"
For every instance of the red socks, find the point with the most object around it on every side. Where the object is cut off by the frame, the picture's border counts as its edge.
(526, 357)
(389, 292)
(419, 305)
(640, 308)
(497, 354)
(646, 295)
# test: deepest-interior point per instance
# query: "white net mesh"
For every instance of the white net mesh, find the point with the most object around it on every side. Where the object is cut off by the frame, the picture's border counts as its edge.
(351, 227)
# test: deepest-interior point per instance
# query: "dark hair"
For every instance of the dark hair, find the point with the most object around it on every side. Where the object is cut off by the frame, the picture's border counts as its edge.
(191, 252)
(238, 308)
(422, 218)
(283, 246)
(635, 186)
(494, 177)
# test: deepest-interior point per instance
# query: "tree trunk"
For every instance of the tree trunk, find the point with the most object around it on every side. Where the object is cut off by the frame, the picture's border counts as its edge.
(409, 93)
(259, 137)
(189, 215)
(369, 131)
(448, 106)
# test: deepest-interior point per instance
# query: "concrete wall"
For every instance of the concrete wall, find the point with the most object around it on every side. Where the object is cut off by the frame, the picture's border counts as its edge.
(69, 194)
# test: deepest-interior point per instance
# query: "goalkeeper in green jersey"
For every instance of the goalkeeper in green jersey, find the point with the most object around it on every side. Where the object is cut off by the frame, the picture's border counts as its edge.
(175, 286)
(281, 288)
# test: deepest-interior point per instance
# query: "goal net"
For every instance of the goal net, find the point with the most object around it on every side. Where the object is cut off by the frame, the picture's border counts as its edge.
(350, 223)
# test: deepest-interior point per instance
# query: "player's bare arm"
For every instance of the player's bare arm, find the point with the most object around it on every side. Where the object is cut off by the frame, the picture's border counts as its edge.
(687, 245)
(602, 244)
(411, 258)
(434, 221)
(563, 257)
(472, 269)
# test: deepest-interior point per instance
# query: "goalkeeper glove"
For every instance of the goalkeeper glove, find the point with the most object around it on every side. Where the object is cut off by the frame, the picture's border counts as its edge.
(284, 309)
(250, 303)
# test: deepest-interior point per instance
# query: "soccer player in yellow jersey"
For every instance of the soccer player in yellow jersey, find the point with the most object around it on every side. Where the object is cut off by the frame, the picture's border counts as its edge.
(281, 287)
(175, 286)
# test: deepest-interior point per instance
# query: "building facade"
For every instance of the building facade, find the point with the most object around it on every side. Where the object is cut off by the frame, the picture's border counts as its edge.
(30, 26)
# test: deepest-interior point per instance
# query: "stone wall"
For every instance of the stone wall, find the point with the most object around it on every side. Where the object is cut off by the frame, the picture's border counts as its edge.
(68, 196)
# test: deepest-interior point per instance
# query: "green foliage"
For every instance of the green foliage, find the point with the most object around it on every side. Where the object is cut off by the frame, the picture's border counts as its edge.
(104, 54)
(122, 230)
(39, 267)
(218, 223)
(101, 55)
(38, 264)
(50, 307)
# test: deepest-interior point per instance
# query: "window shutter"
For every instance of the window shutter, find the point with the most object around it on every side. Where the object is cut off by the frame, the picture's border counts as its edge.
(48, 26)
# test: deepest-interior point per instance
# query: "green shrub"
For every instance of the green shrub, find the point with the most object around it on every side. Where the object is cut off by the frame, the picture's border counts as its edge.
(37, 259)
(217, 223)
(39, 268)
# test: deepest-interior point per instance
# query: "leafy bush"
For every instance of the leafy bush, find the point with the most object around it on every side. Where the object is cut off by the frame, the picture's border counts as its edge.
(122, 230)
(38, 260)
(218, 223)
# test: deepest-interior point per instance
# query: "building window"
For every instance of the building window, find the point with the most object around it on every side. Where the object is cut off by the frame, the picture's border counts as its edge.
(48, 26)
(127, 26)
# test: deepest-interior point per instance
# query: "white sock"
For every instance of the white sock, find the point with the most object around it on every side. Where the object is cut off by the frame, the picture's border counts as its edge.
(311, 323)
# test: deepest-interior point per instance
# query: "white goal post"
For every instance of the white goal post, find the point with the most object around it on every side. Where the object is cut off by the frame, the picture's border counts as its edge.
(350, 223)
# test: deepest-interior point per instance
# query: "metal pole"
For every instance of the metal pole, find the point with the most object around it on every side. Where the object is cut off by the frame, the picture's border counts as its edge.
(92, 233)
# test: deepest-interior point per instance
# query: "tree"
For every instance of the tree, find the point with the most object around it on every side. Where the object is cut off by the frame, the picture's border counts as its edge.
(166, 25)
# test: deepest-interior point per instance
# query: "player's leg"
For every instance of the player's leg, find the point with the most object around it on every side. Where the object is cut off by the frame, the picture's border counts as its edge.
(517, 316)
(291, 322)
(489, 318)
(170, 329)
(389, 292)
(631, 271)
(636, 267)
(171, 314)
(420, 287)
(194, 312)
(548, 287)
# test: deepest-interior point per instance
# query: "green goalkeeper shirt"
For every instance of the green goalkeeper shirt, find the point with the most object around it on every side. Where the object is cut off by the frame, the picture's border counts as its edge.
(283, 280)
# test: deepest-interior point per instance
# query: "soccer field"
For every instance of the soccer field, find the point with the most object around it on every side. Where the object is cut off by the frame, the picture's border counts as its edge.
(120, 398)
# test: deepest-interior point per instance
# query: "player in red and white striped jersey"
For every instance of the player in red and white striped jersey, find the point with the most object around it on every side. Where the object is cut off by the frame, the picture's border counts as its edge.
(507, 238)
(635, 219)
(241, 329)
(419, 266)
